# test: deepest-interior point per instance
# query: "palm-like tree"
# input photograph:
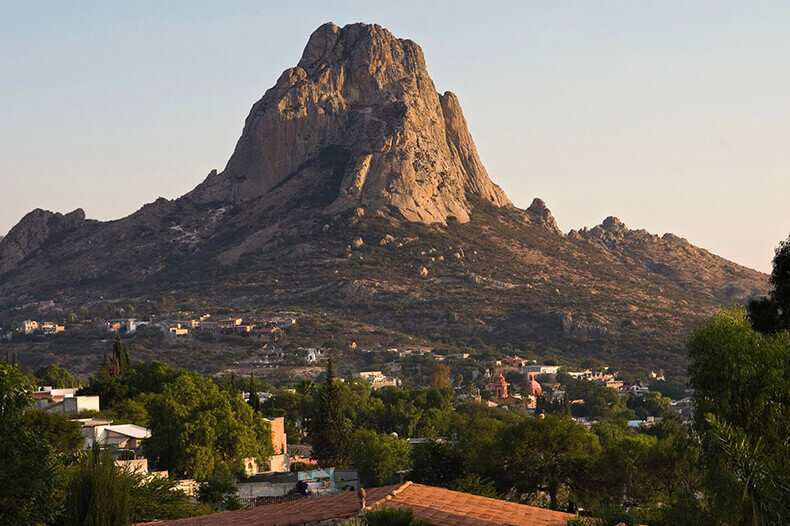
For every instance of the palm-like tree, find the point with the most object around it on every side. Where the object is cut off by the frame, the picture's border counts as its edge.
(765, 490)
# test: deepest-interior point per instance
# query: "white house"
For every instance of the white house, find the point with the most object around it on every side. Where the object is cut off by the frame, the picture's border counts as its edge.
(540, 369)
(120, 436)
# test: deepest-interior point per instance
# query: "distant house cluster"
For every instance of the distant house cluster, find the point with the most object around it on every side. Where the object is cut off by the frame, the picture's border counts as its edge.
(377, 379)
(127, 325)
(267, 328)
(45, 327)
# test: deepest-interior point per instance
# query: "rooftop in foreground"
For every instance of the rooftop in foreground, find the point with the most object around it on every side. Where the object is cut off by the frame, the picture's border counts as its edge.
(441, 506)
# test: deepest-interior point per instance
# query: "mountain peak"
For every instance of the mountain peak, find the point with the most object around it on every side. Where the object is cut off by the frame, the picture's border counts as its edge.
(34, 230)
(357, 123)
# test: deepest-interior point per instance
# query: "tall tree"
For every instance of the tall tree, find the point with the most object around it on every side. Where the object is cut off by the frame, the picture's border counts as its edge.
(255, 400)
(121, 354)
(378, 457)
(547, 454)
(116, 365)
(98, 492)
(440, 378)
(741, 382)
(62, 433)
(200, 431)
(772, 313)
(30, 476)
(55, 376)
(331, 429)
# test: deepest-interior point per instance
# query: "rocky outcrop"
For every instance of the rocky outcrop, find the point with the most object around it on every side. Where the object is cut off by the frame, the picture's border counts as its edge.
(35, 229)
(541, 215)
(357, 123)
(674, 258)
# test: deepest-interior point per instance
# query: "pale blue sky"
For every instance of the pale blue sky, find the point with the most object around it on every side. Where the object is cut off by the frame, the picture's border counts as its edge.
(673, 116)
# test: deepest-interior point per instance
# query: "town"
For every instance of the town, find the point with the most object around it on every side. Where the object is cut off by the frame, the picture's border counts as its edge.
(433, 402)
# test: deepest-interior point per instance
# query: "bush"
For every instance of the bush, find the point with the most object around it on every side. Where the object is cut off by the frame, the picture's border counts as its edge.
(476, 485)
(394, 517)
(219, 492)
(158, 499)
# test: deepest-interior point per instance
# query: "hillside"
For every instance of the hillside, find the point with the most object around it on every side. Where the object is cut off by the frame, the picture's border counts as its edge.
(356, 189)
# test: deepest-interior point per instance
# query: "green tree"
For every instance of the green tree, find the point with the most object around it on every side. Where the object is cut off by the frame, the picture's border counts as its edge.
(131, 411)
(157, 498)
(219, 492)
(115, 365)
(198, 430)
(56, 377)
(331, 429)
(772, 313)
(441, 376)
(378, 457)
(30, 477)
(604, 403)
(97, 492)
(437, 463)
(741, 384)
(254, 401)
(547, 454)
(620, 469)
(649, 404)
(477, 441)
(119, 362)
(762, 488)
(671, 390)
(61, 432)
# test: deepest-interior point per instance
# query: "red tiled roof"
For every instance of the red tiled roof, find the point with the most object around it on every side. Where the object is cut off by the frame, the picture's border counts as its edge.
(444, 507)
(441, 506)
(289, 513)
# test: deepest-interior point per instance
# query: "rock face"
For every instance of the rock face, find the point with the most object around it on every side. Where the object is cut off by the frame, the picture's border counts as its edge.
(357, 123)
(34, 230)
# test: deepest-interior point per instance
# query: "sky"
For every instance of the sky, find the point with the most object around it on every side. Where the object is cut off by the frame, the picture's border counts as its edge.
(673, 116)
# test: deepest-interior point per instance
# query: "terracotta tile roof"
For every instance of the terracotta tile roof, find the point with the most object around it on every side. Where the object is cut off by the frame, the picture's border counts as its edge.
(441, 506)
(444, 507)
(289, 513)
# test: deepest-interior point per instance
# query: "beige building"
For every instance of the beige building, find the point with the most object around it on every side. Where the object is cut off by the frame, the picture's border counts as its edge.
(280, 461)
(52, 328)
(72, 405)
(178, 330)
